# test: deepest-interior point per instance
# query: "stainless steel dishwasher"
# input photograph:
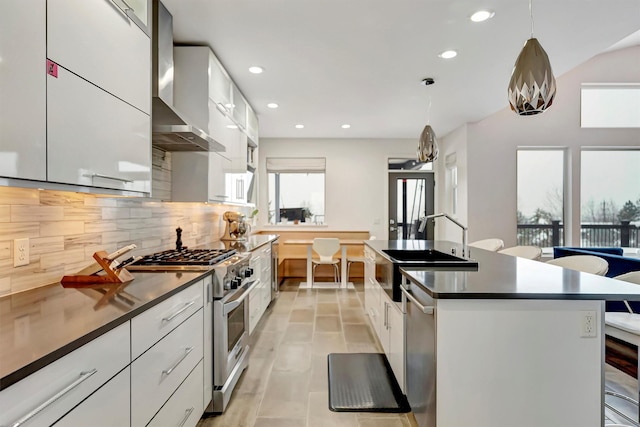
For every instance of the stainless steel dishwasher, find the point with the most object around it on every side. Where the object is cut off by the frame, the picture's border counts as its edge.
(420, 320)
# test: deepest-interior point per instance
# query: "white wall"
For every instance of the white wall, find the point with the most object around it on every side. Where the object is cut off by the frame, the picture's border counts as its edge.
(356, 183)
(492, 143)
(454, 143)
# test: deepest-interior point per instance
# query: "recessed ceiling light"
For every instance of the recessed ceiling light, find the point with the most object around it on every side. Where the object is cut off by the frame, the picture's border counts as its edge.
(482, 15)
(272, 105)
(448, 54)
(232, 127)
(346, 126)
(256, 69)
(299, 126)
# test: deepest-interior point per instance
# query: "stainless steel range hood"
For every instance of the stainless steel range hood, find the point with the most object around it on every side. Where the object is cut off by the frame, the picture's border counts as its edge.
(171, 131)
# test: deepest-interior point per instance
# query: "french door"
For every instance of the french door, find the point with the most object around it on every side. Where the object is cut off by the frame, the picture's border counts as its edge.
(411, 197)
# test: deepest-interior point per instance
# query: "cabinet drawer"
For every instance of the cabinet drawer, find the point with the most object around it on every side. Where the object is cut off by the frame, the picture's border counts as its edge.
(149, 327)
(71, 379)
(96, 40)
(185, 406)
(157, 374)
(107, 407)
(94, 139)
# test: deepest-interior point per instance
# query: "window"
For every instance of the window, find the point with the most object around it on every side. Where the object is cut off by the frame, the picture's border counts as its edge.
(610, 105)
(296, 190)
(610, 197)
(540, 195)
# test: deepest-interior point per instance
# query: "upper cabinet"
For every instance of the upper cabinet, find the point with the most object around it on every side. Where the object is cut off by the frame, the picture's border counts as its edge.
(98, 41)
(252, 126)
(80, 85)
(23, 151)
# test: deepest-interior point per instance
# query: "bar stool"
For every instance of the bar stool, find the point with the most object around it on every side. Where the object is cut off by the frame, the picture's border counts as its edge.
(488, 244)
(529, 252)
(584, 263)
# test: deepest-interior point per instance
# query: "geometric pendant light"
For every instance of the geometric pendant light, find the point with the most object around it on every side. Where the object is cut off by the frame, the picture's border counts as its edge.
(532, 86)
(427, 146)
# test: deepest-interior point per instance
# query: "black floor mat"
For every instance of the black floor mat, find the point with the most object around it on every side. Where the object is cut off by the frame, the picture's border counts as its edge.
(363, 382)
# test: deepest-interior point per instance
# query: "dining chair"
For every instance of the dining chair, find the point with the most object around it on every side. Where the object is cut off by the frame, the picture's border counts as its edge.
(529, 252)
(488, 244)
(326, 248)
(584, 263)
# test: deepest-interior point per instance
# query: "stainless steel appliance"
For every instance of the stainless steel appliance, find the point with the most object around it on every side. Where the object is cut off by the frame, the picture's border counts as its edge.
(420, 321)
(233, 281)
(233, 278)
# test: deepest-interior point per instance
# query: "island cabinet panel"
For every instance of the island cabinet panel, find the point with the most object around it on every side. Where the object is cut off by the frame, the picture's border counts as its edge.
(522, 360)
(99, 41)
(23, 89)
(109, 406)
(45, 396)
(94, 139)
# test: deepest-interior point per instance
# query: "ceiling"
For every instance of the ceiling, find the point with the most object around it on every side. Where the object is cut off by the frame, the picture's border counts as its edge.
(360, 62)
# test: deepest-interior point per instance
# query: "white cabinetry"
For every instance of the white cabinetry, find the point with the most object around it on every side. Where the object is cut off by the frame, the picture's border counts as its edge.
(200, 177)
(80, 94)
(98, 41)
(391, 336)
(94, 139)
(260, 297)
(207, 342)
(23, 89)
(160, 370)
(182, 409)
(45, 396)
(109, 406)
(386, 317)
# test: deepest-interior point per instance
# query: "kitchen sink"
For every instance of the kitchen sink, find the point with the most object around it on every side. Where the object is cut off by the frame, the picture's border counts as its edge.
(427, 257)
(388, 266)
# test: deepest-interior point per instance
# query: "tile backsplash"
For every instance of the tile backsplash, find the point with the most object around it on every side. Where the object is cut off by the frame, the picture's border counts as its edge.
(66, 228)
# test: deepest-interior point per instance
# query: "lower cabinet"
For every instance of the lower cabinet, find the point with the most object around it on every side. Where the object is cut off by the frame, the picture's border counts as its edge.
(45, 396)
(108, 407)
(160, 370)
(183, 408)
(387, 319)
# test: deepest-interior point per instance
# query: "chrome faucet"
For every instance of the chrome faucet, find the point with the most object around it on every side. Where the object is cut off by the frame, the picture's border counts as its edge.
(423, 224)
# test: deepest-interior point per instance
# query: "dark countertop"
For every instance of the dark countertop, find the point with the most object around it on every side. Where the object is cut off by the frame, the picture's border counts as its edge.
(506, 277)
(39, 326)
(251, 243)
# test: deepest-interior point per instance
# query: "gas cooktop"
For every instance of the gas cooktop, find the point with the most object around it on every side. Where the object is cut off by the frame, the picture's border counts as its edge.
(184, 259)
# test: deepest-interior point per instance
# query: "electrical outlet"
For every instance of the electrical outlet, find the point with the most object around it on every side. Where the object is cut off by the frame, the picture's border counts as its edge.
(589, 326)
(20, 252)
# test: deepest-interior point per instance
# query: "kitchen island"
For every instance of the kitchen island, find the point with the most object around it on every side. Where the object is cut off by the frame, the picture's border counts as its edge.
(515, 342)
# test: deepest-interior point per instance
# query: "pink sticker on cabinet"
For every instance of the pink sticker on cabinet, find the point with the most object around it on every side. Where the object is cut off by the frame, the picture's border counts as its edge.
(52, 68)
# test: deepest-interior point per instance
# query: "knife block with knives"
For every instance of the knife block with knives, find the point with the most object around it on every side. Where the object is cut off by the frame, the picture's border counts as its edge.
(115, 271)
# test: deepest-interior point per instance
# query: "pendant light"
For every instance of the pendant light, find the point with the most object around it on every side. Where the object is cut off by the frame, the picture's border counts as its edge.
(532, 86)
(428, 146)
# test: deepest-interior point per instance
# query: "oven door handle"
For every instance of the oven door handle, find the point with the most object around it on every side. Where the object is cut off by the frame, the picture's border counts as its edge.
(230, 306)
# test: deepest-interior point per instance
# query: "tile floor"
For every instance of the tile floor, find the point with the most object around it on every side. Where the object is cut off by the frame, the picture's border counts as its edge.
(286, 382)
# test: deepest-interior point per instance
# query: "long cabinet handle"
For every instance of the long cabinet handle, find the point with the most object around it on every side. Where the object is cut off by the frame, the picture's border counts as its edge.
(175, 365)
(114, 178)
(425, 310)
(187, 414)
(179, 312)
(85, 375)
